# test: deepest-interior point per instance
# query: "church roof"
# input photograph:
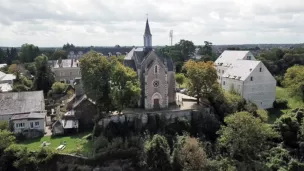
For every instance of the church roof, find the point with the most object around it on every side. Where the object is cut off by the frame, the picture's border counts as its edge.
(130, 63)
(147, 29)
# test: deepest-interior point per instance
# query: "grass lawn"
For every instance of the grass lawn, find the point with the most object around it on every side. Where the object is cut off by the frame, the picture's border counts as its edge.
(77, 142)
(293, 102)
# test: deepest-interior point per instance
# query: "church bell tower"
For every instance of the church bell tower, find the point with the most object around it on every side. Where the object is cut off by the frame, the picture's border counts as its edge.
(147, 36)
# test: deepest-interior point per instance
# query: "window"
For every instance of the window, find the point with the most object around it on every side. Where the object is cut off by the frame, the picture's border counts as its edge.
(71, 73)
(249, 57)
(156, 83)
(261, 69)
(61, 73)
(224, 83)
(251, 78)
(36, 124)
(222, 71)
(155, 69)
(20, 125)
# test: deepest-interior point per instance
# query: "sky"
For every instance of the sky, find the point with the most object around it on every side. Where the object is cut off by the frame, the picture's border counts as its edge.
(49, 23)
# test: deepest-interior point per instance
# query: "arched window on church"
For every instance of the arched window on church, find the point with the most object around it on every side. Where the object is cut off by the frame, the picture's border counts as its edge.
(155, 69)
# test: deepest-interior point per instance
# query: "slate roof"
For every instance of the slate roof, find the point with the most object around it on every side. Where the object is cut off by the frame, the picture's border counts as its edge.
(29, 116)
(228, 56)
(139, 54)
(21, 102)
(67, 63)
(130, 64)
(241, 69)
(147, 29)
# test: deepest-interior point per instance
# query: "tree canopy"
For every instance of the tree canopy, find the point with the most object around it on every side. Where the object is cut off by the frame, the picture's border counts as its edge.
(294, 81)
(44, 77)
(108, 82)
(202, 78)
(180, 79)
(245, 136)
(29, 52)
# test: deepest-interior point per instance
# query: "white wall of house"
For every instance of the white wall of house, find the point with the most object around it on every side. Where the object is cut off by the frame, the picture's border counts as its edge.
(24, 124)
(259, 87)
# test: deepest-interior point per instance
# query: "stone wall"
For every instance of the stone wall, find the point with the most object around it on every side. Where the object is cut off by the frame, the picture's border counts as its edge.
(170, 116)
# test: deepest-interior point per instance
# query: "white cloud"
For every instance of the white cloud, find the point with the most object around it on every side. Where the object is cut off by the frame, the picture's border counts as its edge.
(107, 23)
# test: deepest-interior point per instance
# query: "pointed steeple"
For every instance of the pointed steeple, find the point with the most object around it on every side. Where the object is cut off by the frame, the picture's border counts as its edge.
(147, 36)
(147, 29)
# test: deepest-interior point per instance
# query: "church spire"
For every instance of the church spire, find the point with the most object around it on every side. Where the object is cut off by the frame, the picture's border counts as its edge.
(147, 36)
(147, 30)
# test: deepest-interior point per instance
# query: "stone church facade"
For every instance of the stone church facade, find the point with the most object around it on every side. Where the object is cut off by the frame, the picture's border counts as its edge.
(156, 74)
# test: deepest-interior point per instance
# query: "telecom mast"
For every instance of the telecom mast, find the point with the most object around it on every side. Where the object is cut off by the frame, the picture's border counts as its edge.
(171, 36)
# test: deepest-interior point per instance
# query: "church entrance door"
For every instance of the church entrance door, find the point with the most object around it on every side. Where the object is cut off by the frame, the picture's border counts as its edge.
(156, 104)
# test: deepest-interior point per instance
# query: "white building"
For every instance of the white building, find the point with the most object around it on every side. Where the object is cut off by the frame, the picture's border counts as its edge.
(25, 110)
(241, 72)
(6, 82)
(29, 121)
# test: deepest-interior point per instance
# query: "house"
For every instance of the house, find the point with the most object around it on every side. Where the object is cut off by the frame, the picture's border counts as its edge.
(84, 110)
(155, 72)
(65, 70)
(6, 82)
(68, 123)
(241, 72)
(30, 121)
(25, 110)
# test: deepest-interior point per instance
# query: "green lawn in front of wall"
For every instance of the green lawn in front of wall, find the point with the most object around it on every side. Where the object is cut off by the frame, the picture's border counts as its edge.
(74, 143)
(293, 102)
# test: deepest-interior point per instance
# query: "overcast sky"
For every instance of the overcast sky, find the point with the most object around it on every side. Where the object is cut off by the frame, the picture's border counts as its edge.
(110, 22)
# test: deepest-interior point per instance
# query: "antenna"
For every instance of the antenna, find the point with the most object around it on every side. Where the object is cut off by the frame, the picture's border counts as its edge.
(171, 36)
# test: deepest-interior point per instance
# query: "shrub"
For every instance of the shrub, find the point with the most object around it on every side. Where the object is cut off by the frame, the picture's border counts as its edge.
(4, 125)
(157, 153)
(58, 87)
(288, 126)
(262, 114)
(280, 104)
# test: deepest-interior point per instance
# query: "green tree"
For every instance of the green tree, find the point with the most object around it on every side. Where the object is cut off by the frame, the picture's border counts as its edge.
(201, 78)
(125, 87)
(29, 52)
(58, 87)
(186, 48)
(22, 83)
(44, 77)
(3, 56)
(31, 68)
(68, 46)
(58, 54)
(206, 49)
(294, 81)
(245, 137)
(180, 79)
(158, 153)
(96, 75)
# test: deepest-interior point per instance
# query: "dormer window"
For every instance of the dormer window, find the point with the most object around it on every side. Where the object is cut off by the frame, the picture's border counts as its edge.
(249, 57)
(155, 69)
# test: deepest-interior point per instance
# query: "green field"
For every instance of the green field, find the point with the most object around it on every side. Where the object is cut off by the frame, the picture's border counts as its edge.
(293, 102)
(74, 143)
